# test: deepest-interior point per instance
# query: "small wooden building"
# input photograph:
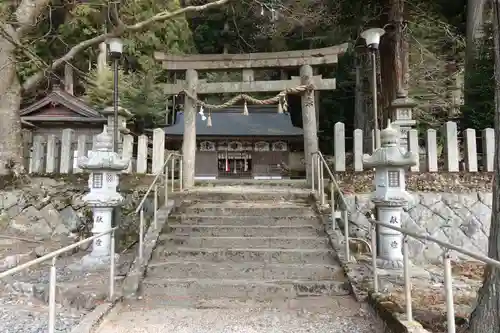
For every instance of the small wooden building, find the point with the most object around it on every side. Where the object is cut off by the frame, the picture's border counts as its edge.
(55, 112)
(239, 146)
(59, 110)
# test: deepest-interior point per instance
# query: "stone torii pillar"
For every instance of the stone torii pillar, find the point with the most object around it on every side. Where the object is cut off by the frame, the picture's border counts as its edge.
(308, 120)
(189, 137)
(390, 163)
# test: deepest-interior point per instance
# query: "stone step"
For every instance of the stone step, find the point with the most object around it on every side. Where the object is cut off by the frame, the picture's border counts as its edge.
(311, 303)
(211, 270)
(285, 256)
(243, 288)
(246, 220)
(274, 202)
(284, 195)
(267, 209)
(246, 242)
(301, 230)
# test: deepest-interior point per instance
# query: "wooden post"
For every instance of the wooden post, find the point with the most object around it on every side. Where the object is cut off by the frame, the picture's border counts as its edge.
(308, 121)
(189, 139)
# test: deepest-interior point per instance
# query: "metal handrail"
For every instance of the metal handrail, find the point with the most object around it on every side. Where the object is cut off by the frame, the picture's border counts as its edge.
(157, 176)
(53, 272)
(153, 187)
(319, 163)
(332, 178)
(334, 187)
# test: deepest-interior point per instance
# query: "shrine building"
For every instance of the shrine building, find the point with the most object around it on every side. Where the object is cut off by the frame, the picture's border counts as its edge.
(258, 145)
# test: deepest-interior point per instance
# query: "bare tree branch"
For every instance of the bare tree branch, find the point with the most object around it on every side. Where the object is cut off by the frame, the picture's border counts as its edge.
(118, 31)
(116, 15)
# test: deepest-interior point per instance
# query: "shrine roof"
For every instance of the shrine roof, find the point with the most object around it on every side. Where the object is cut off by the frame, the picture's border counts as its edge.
(261, 121)
(59, 105)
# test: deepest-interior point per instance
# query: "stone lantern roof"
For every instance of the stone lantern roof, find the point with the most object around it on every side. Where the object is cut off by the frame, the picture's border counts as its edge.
(102, 156)
(390, 153)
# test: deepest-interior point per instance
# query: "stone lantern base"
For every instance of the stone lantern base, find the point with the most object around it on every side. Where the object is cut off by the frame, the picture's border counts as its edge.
(398, 272)
(91, 263)
(390, 264)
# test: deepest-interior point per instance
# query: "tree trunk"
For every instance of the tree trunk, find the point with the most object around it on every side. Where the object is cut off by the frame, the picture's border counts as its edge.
(11, 150)
(474, 32)
(393, 58)
(486, 316)
(474, 24)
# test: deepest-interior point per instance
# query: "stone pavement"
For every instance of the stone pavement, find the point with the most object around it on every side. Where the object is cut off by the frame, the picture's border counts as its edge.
(323, 314)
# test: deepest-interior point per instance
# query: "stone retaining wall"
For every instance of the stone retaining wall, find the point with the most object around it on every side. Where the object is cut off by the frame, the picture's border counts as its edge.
(53, 207)
(462, 219)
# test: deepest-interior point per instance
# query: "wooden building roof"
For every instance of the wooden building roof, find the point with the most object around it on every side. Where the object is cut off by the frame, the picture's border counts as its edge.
(261, 121)
(60, 106)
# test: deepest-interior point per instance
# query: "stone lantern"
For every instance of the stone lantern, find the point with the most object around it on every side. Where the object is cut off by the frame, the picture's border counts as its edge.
(104, 166)
(390, 162)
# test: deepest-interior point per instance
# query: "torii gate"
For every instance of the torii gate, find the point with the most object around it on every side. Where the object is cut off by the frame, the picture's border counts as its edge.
(247, 63)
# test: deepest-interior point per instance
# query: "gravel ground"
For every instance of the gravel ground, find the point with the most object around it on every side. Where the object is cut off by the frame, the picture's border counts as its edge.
(22, 314)
(350, 319)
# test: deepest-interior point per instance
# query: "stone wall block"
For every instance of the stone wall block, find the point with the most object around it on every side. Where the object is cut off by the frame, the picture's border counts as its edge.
(31, 222)
(71, 219)
(52, 216)
(486, 198)
(429, 200)
(77, 201)
(8, 199)
(483, 214)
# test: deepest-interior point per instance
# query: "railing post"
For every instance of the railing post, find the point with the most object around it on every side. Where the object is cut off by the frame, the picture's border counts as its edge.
(52, 296)
(322, 182)
(448, 287)
(112, 268)
(172, 172)
(374, 256)
(313, 166)
(166, 185)
(155, 206)
(180, 174)
(332, 203)
(346, 234)
(407, 277)
(141, 232)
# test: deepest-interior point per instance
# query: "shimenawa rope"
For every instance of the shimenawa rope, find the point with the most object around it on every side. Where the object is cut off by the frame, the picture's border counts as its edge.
(280, 98)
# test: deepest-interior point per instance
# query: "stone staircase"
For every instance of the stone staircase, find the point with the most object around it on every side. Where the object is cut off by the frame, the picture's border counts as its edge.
(241, 246)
